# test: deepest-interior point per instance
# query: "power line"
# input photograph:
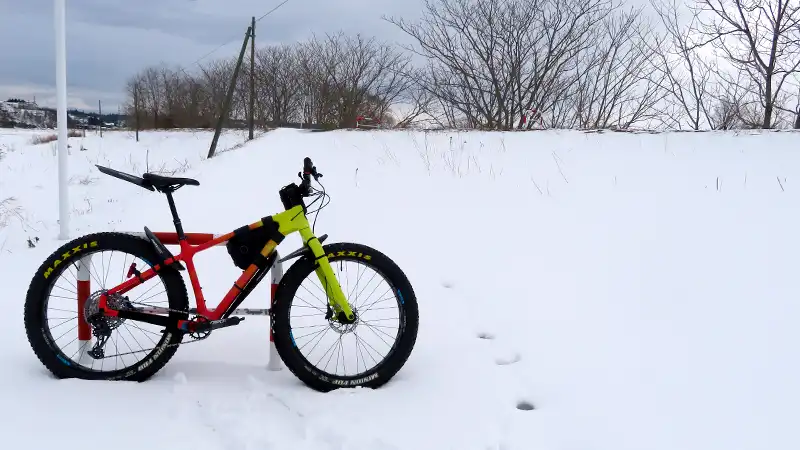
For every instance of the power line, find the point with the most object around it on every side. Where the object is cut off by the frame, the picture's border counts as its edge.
(181, 67)
(272, 10)
(210, 53)
(233, 40)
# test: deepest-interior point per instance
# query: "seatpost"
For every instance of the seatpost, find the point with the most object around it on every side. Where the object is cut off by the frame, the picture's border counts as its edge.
(175, 219)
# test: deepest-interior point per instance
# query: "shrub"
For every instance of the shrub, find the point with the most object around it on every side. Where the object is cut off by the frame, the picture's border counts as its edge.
(44, 139)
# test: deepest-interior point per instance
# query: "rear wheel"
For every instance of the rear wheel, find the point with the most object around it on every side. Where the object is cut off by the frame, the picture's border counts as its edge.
(56, 325)
(325, 354)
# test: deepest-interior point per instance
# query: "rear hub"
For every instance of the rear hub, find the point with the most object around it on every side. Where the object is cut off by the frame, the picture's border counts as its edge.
(102, 325)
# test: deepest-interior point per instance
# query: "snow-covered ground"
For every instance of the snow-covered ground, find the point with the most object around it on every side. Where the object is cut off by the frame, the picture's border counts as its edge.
(640, 291)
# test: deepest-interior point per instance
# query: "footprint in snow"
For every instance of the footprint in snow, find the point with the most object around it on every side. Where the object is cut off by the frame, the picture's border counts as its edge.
(502, 360)
(507, 360)
(180, 378)
(524, 405)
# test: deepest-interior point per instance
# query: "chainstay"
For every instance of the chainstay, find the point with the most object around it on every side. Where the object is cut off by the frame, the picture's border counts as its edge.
(151, 349)
(192, 341)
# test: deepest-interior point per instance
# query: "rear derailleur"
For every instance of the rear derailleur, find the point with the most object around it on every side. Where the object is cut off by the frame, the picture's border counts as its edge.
(198, 327)
(102, 325)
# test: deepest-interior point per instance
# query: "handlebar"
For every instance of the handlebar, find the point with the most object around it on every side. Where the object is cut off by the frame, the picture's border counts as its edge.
(292, 194)
(309, 170)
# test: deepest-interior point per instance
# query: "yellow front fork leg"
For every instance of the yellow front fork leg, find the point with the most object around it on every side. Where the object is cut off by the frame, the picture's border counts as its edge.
(336, 296)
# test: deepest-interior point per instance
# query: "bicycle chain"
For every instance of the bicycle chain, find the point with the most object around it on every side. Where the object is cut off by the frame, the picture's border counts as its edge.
(168, 345)
(151, 349)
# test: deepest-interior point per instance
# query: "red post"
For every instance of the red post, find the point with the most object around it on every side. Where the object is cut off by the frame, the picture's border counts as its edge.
(276, 275)
(273, 290)
(83, 294)
(84, 291)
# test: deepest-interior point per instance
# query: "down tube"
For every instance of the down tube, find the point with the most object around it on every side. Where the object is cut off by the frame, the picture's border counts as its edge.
(326, 275)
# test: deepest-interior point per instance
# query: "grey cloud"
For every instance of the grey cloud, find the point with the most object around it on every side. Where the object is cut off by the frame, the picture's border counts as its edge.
(109, 40)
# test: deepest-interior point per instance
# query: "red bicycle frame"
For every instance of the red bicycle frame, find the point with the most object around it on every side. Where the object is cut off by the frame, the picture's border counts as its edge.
(193, 243)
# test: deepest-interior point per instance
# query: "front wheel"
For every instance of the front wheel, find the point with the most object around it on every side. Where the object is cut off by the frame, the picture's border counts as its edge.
(326, 354)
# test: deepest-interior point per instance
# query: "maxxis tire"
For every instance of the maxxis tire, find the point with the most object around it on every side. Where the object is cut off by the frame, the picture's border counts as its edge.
(282, 334)
(38, 292)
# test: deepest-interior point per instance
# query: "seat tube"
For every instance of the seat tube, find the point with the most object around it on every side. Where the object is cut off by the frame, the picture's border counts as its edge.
(175, 218)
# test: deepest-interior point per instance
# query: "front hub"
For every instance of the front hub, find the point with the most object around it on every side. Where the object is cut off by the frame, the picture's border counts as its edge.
(342, 325)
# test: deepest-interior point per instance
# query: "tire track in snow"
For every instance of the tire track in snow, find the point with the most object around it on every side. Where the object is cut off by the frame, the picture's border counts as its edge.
(243, 417)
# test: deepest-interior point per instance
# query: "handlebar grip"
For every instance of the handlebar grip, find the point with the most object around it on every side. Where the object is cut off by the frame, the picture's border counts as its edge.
(305, 176)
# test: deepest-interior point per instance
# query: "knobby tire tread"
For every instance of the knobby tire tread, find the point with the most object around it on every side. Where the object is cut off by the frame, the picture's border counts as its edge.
(38, 292)
(281, 327)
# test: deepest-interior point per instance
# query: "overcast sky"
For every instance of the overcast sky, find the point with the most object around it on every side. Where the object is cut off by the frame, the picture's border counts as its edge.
(110, 40)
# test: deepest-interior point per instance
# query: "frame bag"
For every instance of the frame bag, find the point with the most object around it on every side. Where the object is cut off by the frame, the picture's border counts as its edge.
(244, 247)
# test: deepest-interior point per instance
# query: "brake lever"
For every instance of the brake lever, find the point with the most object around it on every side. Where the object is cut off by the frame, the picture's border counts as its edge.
(313, 173)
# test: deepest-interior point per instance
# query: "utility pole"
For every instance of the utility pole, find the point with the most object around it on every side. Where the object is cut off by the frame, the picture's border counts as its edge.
(100, 117)
(228, 97)
(252, 75)
(136, 108)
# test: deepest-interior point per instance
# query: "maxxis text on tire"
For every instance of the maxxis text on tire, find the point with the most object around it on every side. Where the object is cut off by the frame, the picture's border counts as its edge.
(314, 377)
(56, 263)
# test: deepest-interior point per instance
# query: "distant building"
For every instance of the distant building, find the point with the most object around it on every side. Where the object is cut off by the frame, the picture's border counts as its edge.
(22, 104)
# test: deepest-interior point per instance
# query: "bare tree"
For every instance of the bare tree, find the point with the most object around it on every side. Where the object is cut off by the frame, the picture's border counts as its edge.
(490, 61)
(153, 94)
(687, 73)
(615, 87)
(417, 100)
(172, 83)
(733, 103)
(216, 77)
(363, 75)
(279, 87)
(313, 79)
(563, 34)
(760, 38)
(796, 111)
(133, 107)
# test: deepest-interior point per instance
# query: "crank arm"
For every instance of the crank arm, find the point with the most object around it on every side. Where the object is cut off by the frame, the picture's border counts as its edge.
(173, 324)
(213, 325)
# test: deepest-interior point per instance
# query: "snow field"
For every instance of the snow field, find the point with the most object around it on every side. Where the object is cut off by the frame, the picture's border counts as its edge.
(638, 290)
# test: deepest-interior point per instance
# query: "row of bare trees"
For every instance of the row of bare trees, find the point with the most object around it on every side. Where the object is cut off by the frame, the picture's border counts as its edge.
(326, 81)
(730, 63)
(694, 64)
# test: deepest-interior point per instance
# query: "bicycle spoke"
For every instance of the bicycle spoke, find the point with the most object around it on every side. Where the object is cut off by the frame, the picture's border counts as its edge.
(333, 347)
(125, 334)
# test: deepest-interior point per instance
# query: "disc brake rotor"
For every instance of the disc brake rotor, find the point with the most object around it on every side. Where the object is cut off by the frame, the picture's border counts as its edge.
(343, 328)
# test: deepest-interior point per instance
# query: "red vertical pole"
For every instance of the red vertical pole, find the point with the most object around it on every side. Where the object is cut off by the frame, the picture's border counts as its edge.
(273, 290)
(277, 274)
(84, 291)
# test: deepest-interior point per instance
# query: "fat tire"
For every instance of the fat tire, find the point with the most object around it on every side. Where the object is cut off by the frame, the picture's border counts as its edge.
(39, 289)
(290, 354)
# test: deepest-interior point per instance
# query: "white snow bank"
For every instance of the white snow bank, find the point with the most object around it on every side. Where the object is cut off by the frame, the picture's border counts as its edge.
(639, 290)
